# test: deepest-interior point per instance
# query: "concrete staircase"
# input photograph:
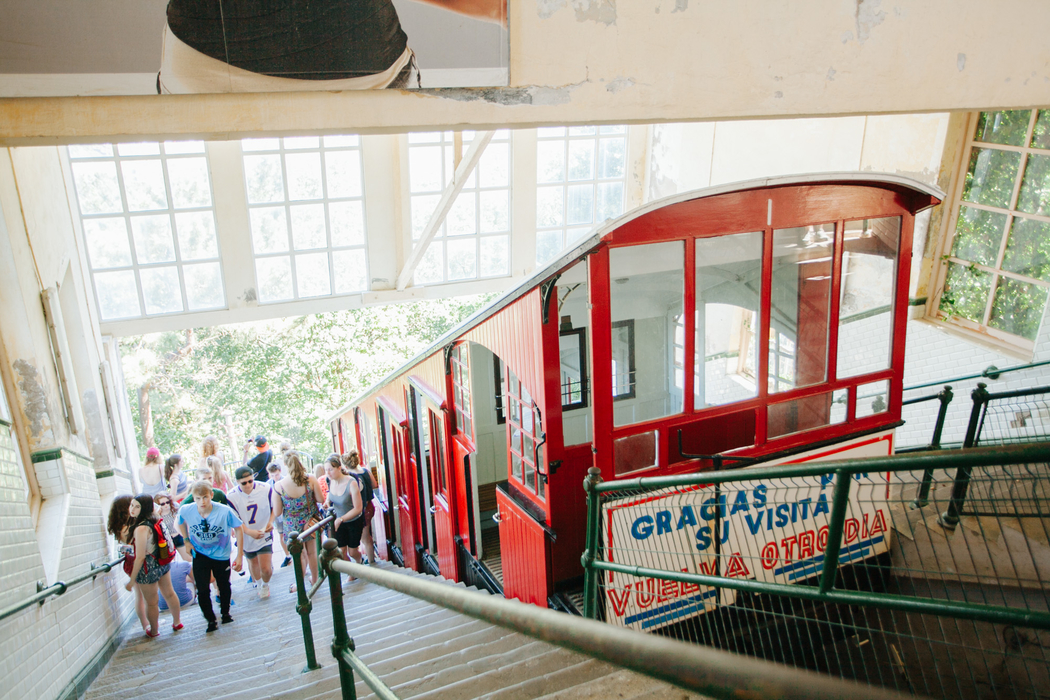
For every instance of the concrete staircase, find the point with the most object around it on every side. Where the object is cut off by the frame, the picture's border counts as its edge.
(420, 650)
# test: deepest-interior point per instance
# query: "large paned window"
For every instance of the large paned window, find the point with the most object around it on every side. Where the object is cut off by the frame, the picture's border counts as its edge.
(474, 239)
(306, 208)
(728, 298)
(524, 426)
(580, 176)
(645, 297)
(460, 365)
(147, 214)
(996, 267)
(800, 306)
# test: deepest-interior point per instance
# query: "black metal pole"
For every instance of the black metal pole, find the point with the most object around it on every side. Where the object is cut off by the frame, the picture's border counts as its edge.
(342, 641)
(950, 517)
(304, 606)
(945, 398)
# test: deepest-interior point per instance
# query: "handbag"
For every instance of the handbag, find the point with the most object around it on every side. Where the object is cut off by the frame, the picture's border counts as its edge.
(312, 507)
(129, 562)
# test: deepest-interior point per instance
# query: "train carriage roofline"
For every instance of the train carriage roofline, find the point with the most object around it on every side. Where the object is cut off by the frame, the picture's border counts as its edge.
(885, 180)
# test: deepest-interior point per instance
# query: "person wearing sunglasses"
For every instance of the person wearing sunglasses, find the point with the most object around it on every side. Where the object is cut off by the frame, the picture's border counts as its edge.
(253, 502)
(166, 509)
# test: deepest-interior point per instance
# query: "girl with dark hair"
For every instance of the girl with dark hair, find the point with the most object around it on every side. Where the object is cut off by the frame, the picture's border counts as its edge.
(367, 482)
(117, 525)
(147, 574)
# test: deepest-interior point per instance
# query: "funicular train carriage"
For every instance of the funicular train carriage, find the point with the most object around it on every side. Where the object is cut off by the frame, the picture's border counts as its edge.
(764, 319)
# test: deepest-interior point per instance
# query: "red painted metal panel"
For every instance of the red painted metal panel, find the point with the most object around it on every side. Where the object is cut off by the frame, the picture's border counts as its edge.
(525, 551)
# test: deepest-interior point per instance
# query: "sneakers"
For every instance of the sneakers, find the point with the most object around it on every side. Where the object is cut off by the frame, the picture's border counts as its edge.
(213, 625)
(219, 601)
(227, 619)
(287, 562)
(264, 590)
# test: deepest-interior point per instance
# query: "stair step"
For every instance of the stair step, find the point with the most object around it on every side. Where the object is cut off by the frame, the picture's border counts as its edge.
(619, 683)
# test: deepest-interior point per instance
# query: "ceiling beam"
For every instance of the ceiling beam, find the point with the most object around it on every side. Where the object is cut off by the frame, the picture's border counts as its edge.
(448, 198)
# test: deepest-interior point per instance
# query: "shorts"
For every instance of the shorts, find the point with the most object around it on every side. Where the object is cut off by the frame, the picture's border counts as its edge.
(178, 541)
(349, 534)
(268, 549)
(151, 571)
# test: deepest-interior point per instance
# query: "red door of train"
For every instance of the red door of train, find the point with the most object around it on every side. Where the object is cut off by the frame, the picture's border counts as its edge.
(441, 485)
(407, 502)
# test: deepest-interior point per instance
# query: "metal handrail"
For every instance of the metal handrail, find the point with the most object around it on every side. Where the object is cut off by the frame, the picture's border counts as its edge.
(708, 671)
(59, 588)
(990, 372)
(304, 598)
(843, 470)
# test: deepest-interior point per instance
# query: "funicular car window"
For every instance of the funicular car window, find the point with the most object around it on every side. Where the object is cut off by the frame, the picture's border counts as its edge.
(524, 426)
(647, 288)
(460, 365)
(574, 323)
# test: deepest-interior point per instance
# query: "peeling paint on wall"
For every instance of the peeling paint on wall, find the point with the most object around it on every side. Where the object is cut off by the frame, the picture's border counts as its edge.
(847, 37)
(831, 73)
(680, 6)
(603, 11)
(96, 432)
(546, 8)
(250, 295)
(619, 84)
(960, 62)
(500, 96)
(34, 402)
(868, 16)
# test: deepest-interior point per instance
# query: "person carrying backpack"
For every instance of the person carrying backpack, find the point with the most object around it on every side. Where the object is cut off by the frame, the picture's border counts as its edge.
(154, 551)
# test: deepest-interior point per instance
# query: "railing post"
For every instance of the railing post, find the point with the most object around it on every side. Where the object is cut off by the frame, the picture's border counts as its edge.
(950, 517)
(839, 503)
(945, 398)
(304, 606)
(590, 575)
(342, 641)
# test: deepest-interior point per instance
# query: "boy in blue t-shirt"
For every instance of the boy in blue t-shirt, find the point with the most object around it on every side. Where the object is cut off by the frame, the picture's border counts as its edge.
(207, 527)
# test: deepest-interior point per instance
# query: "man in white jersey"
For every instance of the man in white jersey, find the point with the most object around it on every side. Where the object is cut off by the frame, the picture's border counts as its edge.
(253, 502)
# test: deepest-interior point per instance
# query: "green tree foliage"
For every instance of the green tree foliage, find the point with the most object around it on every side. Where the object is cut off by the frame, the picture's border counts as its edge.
(281, 378)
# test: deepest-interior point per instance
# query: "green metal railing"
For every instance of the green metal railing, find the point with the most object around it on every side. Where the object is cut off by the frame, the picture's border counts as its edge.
(58, 588)
(789, 600)
(304, 597)
(713, 673)
(990, 372)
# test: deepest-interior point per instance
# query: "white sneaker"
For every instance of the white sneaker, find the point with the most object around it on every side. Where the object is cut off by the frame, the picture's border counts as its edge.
(264, 590)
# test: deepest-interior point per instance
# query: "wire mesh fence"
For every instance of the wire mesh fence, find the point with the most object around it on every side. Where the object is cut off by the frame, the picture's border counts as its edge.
(1014, 417)
(915, 603)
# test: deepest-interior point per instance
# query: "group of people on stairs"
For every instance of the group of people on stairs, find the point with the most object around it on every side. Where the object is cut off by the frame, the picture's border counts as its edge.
(215, 522)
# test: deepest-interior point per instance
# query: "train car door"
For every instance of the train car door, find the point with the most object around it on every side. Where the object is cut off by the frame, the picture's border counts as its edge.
(442, 506)
(419, 436)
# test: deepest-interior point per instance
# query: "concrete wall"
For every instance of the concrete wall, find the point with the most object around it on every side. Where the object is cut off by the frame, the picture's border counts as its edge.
(52, 509)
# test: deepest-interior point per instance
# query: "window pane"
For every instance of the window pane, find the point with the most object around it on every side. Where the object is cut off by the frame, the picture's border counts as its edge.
(965, 292)
(581, 160)
(197, 235)
(549, 206)
(462, 217)
(646, 291)
(1008, 128)
(610, 200)
(347, 222)
(204, 286)
(153, 241)
(550, 161)
(264, 179)
(144, 185)
(550, 131)
(494, 167)
(548, 243)
(1035, 188)
(343, 171)
(990, 178)
(1018, 307)
(495, 259)
(91, 150)
(802, 414)
(1041, 133)
(424, 169)
(611, 158)
(347, 140)
(462, 259)
(160, 290)
(873, 398)
(580, 209)
(179, 147)
(422, 209)
(728, 295)
(635, 452)
(978, 234)
(430, 265)
(581, 131)
(97, 189)
(304, 175)
(574, 234)
(274, 276)
(311, 275)
(260, 144)
(350, 271)
(118, 295)
(138, 149)
(107, 243)
(308, 229)
(495, 211)
(801, 294)
(190, 186)
(1028, 250)
(269, 230)
(299, 142)
(869, 276)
